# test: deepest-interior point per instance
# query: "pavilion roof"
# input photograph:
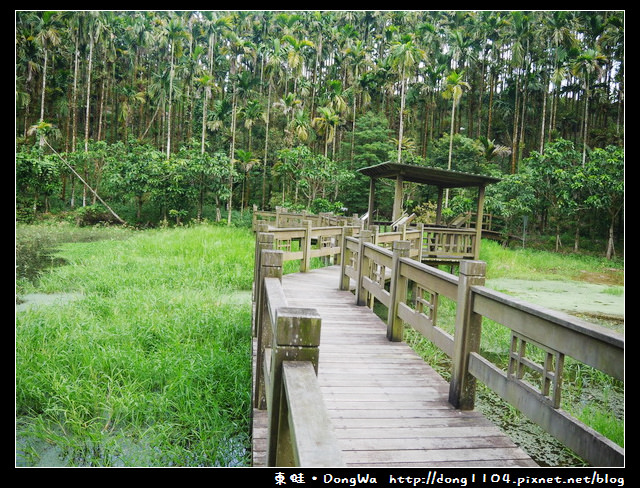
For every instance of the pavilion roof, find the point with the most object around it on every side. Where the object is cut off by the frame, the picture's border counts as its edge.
(427, 175)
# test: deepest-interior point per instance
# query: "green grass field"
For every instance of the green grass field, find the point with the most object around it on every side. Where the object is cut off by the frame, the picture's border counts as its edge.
(151, 366)
(150, 363)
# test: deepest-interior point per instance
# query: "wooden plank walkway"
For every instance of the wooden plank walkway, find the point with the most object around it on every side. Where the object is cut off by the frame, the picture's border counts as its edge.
(387, 406)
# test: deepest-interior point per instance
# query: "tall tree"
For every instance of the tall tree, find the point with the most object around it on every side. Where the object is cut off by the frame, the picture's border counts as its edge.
(404, 55)
(587, 65)
(47, 37)
(175, 32)
(455, 86)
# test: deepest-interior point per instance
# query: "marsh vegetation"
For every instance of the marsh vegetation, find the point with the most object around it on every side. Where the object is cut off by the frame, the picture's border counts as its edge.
(150, 363)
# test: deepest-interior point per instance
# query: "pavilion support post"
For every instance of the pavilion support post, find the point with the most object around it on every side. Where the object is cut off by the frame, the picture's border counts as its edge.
(480, 218)
(372, 199)
(439, 206)
(397, 199)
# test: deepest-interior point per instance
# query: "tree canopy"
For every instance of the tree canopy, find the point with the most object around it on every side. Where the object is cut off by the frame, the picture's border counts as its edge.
(223, 99)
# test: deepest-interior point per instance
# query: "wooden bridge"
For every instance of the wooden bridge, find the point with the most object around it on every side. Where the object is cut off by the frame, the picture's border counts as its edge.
(335, 385)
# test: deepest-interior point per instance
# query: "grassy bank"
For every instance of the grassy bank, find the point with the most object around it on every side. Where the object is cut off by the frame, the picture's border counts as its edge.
(530, 263)
(151, 366)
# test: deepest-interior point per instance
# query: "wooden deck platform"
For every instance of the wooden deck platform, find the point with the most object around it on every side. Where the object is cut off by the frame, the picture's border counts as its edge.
(388, 407)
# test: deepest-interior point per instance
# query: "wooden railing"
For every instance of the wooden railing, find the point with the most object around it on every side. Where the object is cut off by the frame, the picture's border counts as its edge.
(305, 242)
(296, 231)
(411, 297)
(410, 290)
(299, 430)
(284, 218)
(442, 243)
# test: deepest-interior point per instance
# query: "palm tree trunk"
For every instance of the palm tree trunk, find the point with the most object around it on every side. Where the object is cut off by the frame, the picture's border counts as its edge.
(266, 147)
(586, 122)
(453, 117)
(88, 100)
(232, 154)
(170, 105)
(44, 86)
(401, 128)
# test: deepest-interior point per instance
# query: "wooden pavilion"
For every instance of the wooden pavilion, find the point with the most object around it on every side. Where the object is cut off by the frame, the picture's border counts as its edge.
(442, 245)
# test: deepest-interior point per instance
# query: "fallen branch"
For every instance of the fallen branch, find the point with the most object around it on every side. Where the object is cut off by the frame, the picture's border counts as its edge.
(85, 183)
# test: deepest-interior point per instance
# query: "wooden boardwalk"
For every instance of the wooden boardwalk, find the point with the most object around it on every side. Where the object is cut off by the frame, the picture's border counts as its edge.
(387, 407)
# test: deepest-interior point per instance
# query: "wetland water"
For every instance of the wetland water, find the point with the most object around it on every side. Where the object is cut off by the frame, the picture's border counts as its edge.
(579, 298)
(598, 303)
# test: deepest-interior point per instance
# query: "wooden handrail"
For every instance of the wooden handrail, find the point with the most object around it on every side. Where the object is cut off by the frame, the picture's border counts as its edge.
(293, 400)
(304, 421)
(556, 334)
(410, 290)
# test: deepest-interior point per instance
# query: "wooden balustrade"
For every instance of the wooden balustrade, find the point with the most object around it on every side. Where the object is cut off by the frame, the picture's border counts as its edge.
(299, 430)
(307, 242)
(411, 299)
(556, 335)
(449, 243)
(411, 290)
(284, 218)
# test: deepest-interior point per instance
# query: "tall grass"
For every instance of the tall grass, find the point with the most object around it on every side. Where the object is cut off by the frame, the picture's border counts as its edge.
(528, 263)
(152, 367)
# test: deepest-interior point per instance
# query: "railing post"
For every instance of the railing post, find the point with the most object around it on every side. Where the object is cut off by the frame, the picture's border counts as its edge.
(420, 241)
(270, 267)
(264, 240)
(398, 291)
(375, 234)
(296, 337)
(403, 231)
(363, 268)
(305, 265)
(345, 256)
(466, 337)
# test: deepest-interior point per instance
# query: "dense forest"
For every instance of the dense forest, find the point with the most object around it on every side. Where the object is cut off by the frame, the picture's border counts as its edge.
(176, 115)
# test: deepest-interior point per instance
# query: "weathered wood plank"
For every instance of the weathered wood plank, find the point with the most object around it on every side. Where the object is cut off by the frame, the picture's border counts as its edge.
(437, 457)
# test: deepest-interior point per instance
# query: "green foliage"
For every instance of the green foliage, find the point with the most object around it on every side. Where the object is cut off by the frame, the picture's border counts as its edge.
(372, 145)
(553, 173)
(513, 198)
(152, 366)
(92, 215)
(129, 174)
(37, 175)
(372, 140)
(467, 156)
(322, 205)
(135, 173)
(135, 100)
(603, 179)
(311, 175)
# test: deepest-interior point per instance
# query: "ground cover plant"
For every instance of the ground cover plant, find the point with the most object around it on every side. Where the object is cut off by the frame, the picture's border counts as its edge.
(152, 365)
